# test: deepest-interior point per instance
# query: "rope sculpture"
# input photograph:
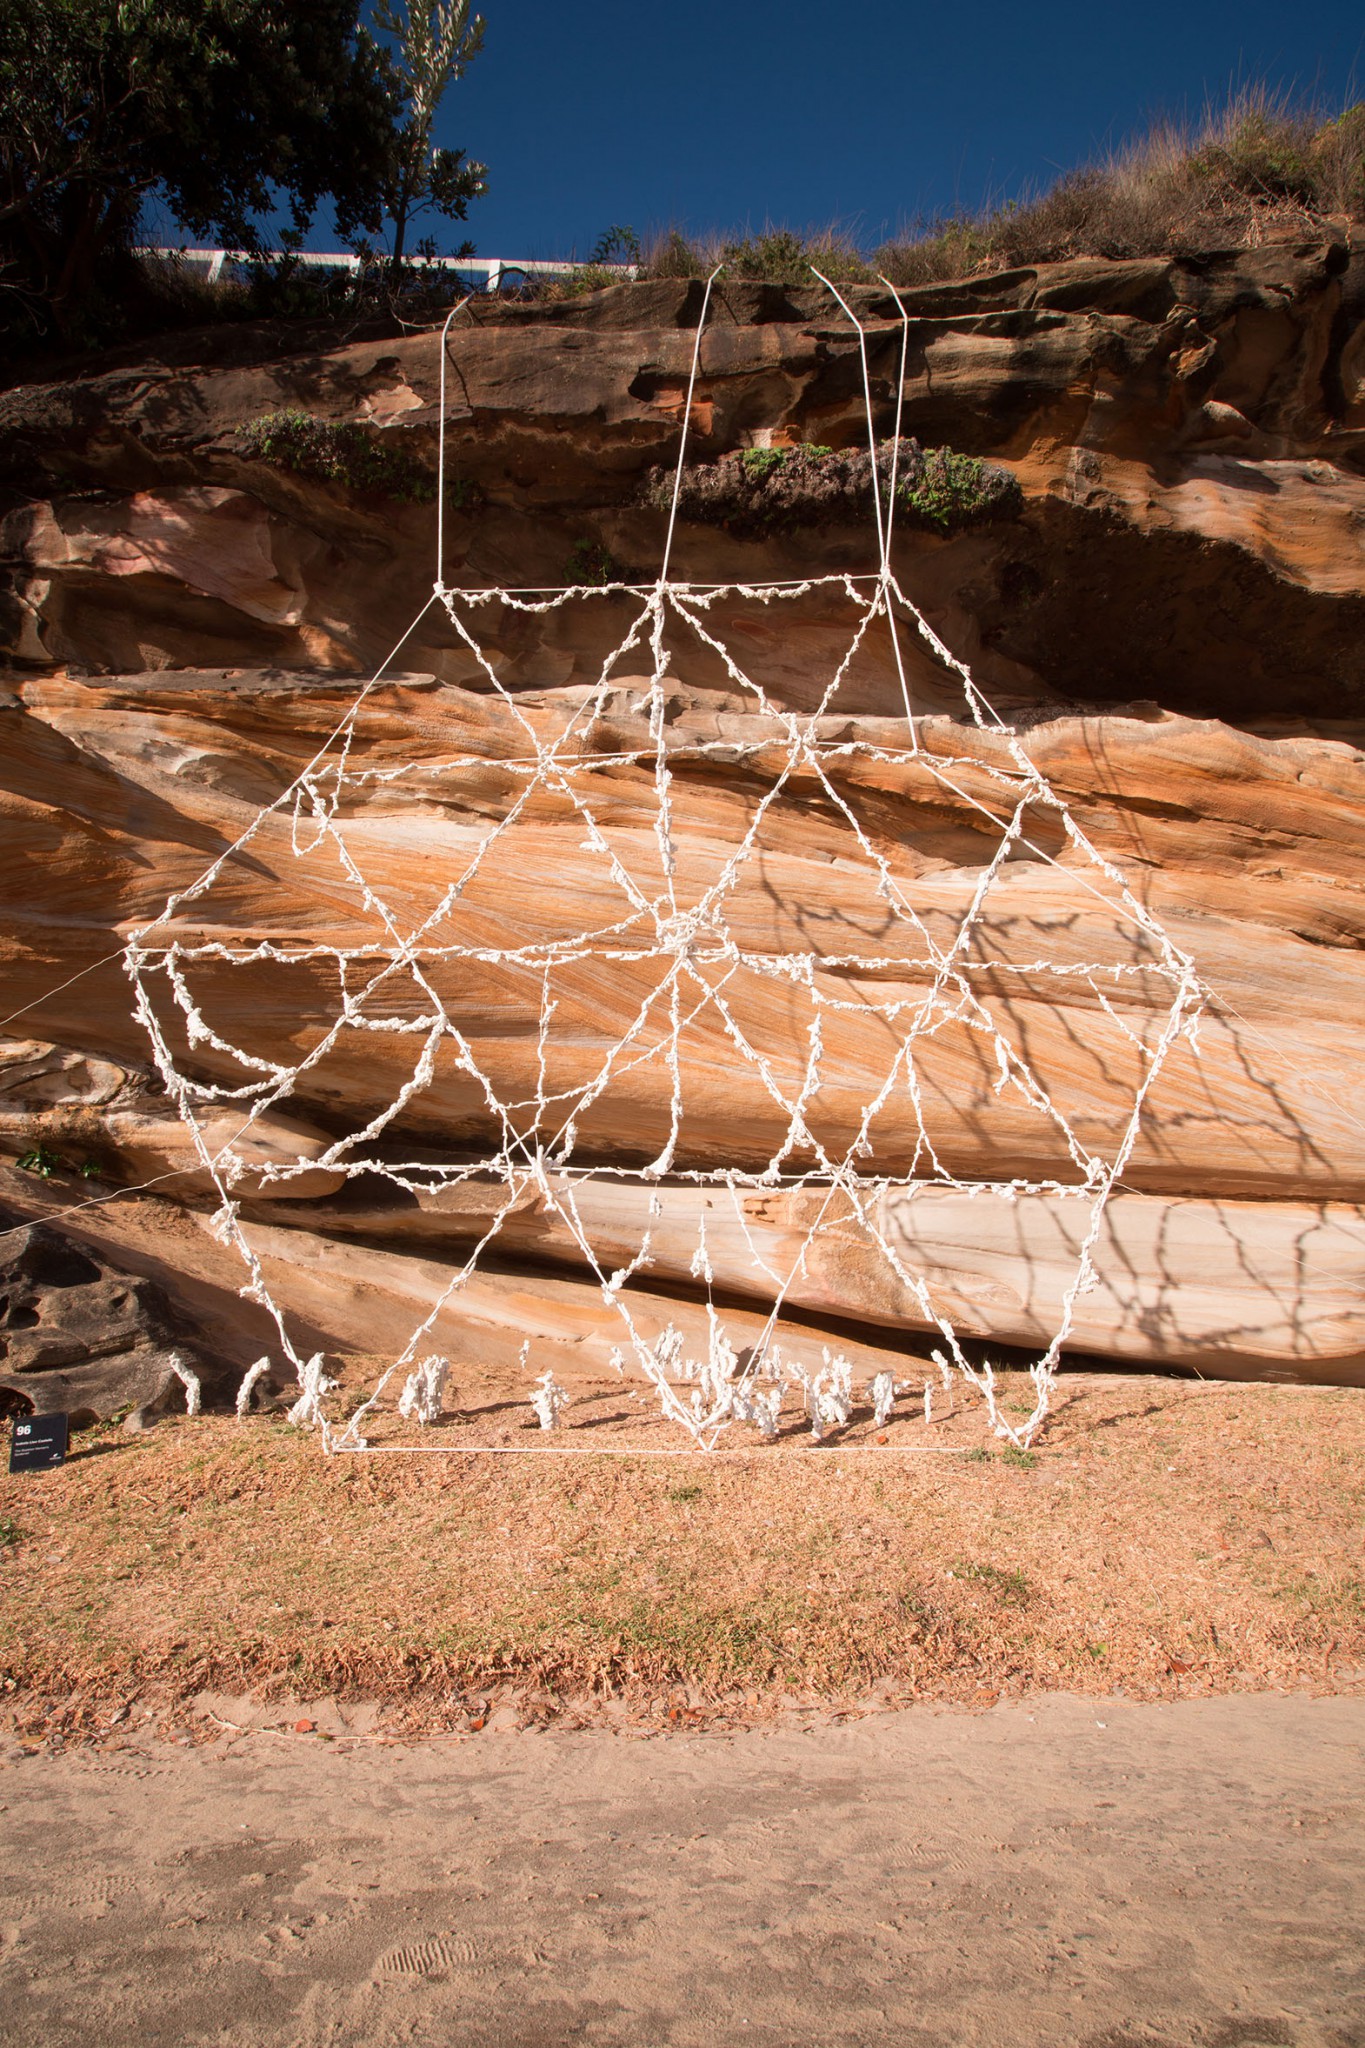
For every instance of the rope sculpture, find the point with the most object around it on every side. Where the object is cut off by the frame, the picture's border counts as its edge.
(405, 980)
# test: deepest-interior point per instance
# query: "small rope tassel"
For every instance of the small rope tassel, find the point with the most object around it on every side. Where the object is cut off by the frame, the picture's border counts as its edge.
(255, 1374)
(882, 1393)
(424, 1391)
(190, 1381)
(306, 1412)
(549, 1400)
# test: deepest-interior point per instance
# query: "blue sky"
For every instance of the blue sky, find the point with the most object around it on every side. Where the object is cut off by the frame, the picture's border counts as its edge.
(730, 114)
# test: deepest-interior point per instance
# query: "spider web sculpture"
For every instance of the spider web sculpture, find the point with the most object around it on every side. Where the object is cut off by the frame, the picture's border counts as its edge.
(734, 1069)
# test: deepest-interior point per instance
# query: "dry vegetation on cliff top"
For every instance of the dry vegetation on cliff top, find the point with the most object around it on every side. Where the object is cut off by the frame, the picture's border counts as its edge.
(1169, 1537)
(1259, 168)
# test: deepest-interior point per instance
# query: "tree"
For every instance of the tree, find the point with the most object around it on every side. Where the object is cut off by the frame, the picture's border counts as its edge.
(226, 107)
(434, 45)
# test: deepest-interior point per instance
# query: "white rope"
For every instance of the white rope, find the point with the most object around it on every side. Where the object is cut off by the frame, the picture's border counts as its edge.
(254, 1375)
(60, 988)
(307, 1410)
(189, 1380)
(686, 426)
(423, 1392)
(441, 452)
(919, 982)
(538, 1450)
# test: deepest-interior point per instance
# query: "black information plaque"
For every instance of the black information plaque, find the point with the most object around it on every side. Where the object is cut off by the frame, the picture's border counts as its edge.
(39, 1441)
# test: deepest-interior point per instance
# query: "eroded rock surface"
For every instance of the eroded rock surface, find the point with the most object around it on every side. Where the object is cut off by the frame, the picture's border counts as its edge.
(1174, 622)
(1188, 435)
(81, 1335)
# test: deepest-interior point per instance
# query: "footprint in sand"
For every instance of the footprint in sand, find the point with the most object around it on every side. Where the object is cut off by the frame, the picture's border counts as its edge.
(430, 1958)
(95, 1896)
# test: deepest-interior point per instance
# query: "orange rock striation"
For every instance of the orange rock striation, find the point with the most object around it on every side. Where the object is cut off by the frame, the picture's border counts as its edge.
(1174, 622)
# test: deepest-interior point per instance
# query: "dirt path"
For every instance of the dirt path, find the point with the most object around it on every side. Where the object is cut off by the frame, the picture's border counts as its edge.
(1054, 1872)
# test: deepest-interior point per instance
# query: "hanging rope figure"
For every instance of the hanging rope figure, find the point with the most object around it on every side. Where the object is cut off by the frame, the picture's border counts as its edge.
(696, 972)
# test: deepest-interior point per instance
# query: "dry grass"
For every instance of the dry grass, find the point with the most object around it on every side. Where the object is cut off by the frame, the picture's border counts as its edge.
(1168, 1536)
(778, 255)
(1258, 168)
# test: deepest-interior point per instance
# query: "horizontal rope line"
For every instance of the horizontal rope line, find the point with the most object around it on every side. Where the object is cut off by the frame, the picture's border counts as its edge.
(622, 1451)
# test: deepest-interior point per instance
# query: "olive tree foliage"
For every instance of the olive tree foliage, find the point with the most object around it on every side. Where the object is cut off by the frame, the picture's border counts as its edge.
(226, 108)
(432, 46)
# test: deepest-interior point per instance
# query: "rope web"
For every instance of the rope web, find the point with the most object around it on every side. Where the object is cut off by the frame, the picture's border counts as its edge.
(670, 952)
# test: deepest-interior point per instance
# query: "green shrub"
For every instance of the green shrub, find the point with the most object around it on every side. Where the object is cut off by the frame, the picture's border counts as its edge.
(281, 288)
(575, 284)
(1265, 157)
(41, 1160)
(781, 257)
(337, 452)
(1339, 162)
(591, 564)
(616, 245)
(762, 463)
(675, 256)
(943, 250)
(946, 492)
(762, 491)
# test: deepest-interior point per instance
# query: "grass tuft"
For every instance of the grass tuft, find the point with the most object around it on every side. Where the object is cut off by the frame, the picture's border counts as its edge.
(1010, 1586)
(591, 565)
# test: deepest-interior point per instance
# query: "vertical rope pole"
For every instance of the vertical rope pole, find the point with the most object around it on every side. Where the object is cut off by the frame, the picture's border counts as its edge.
(867, 399)
(687, 422)
(883, 526)
(439, 584)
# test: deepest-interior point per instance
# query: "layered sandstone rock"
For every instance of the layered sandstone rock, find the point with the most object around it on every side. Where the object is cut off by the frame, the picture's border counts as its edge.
(1188, 433)
(83, 1336)
(187, 626)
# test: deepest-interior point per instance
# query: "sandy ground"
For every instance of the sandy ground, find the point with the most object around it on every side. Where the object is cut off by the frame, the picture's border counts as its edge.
(1060, 1871)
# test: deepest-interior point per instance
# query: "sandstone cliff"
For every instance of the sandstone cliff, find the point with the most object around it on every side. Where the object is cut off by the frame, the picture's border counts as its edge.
(1173, 620)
